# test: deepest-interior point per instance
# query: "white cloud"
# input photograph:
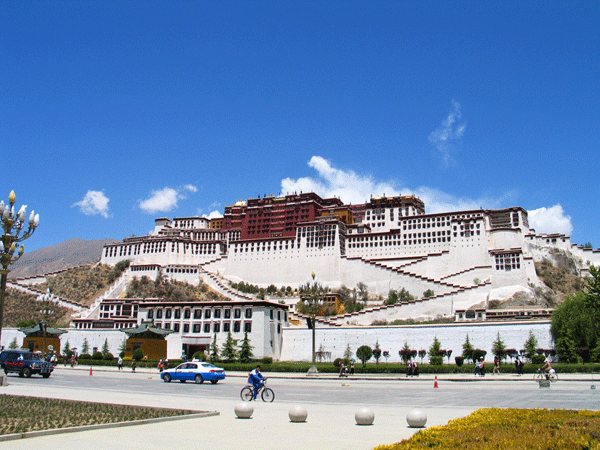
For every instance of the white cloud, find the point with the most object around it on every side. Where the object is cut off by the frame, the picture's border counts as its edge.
(449, 131)
(355, 188)
(348, 185)
(94, 202)
(165, 200)
(550, 220)
(214, 215)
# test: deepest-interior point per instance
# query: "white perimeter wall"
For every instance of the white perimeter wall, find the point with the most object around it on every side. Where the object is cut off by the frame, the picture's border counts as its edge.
(297, 342)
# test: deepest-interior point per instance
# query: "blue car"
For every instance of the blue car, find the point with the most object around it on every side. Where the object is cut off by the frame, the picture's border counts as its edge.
(196, 371)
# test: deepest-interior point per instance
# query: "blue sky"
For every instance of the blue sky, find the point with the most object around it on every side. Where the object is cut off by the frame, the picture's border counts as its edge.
(115, 113)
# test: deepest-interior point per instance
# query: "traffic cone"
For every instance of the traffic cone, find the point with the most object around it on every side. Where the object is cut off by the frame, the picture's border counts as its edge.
(435, 384)
(91, 371)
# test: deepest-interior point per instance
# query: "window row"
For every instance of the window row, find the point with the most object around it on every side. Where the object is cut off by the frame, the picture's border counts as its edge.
(198, 313)
(508, 261)
(208, 327)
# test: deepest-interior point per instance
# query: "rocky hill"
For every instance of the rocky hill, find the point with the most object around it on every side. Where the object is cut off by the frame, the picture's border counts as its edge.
(72, 253)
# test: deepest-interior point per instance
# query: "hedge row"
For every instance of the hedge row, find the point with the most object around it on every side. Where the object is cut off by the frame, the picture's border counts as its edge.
(382, 368)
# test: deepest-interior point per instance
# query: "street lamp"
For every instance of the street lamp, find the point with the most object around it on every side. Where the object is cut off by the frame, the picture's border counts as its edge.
(44, 327)
(312, 305)
(10, 250)
(313, 301)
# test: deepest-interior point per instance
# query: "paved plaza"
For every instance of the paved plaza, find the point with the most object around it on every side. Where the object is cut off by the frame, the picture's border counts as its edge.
(331, 404)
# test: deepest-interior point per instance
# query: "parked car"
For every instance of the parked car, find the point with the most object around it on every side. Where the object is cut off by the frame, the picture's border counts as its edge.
(25, 363)
(196, 371)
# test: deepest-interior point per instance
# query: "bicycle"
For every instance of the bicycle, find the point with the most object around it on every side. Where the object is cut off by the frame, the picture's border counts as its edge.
(551, 376)
(267, 394)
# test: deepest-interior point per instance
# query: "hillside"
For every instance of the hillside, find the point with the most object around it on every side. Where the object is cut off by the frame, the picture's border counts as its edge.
(72, 253)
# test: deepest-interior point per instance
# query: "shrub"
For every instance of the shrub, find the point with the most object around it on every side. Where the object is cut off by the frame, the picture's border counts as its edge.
(108, 357)
(138, 354)
(97, 355)
(85, 356)
(364, 353)
(267, 360)
(337, 362)
(199, 356)
(436, 360)
(477, 354)
(459, 360)
(537, 359)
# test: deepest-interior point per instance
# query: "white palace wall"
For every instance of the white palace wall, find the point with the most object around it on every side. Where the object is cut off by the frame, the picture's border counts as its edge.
(297, 342)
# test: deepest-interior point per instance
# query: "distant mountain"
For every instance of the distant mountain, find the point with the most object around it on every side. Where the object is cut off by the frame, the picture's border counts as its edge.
(72, 253)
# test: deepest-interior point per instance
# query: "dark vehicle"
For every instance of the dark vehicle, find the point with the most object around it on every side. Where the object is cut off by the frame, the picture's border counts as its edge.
(25, 363)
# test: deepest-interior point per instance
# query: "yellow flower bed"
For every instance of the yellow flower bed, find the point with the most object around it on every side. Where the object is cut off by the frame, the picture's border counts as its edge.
(511, 429)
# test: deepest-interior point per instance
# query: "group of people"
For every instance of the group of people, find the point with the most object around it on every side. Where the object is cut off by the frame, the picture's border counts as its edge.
(163, 364)
(346, 370)
(412, 369)
(480, 367)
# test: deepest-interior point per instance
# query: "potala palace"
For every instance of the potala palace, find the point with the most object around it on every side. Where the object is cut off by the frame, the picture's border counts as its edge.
(466, 258)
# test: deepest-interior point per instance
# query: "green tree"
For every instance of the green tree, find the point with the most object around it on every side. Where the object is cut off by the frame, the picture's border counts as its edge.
(565, 347)
(377, 352)
(530, 345)
(428, 293)
(592, 295)
(85, 347)
(245, 352)
(405, 353)
(392, 297)
(105, 348)
(467, 349)
(214, 350)
(67, 349)
(229, 352)
(348, 352)
(576, 316)
(123, 347)
(498, 348)
(364, 353)
(13, 344)
(434, 352)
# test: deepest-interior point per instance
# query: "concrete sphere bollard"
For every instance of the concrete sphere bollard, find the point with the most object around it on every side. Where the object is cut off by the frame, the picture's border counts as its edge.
(364, 416)
(298, 413)
(244, 410)
(416, 418)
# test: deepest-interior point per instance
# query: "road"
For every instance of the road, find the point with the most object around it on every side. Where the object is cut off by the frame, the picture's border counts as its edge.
(331, 404)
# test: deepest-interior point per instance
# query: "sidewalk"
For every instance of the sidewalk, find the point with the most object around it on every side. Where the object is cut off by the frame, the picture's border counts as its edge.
(328, 426)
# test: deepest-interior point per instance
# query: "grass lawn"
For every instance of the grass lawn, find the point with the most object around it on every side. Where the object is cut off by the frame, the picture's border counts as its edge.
(23, 414)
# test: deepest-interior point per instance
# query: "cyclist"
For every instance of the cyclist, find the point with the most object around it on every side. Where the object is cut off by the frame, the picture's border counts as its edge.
(256, 378)
(547, 368)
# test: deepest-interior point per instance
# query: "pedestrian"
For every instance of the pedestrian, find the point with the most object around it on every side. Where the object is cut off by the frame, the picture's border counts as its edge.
(160, 365)
(518, 366)
(120, 363)
(351, 367)
(496, 366)
(133, 365)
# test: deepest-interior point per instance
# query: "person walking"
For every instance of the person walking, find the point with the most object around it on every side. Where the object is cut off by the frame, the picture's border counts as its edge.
(496, 366)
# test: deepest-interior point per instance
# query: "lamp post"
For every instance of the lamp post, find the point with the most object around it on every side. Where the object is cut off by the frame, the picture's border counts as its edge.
(312, 305)
(10, 250)
(44, 327)
(313, 301)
